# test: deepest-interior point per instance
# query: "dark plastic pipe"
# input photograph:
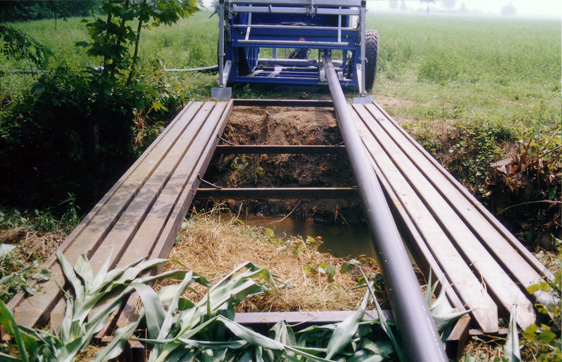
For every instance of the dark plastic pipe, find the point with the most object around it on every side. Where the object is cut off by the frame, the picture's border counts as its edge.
(411, 313)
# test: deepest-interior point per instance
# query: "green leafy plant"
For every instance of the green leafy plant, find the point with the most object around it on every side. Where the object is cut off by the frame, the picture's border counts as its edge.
(76, 127)
(544, 339)
(113, 37)
(19, 45)
(88, 307)
(16, 273)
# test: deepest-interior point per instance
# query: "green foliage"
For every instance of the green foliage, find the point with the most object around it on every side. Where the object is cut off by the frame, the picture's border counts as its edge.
(16, 273)
(64, 217)
(205, 330)
(465, 148)
(19, 45)
(112, 38)
(77, 127)
(92, 301)
(544, 339)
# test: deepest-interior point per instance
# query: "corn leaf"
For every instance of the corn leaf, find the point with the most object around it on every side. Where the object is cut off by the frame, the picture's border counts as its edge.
(511, 348)
(284, 334)
(9, 323)
(117, 345)
(6, 249)
(345, 330)
(251, 336)
(8, 358)
(153, 309)
(71, 276)
(169, 317)
(84, 271)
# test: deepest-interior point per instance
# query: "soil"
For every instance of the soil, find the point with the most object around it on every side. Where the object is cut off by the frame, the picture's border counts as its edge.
(286, 126)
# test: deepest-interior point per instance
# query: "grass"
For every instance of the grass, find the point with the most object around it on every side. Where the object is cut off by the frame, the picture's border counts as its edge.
(471, 68)
(438, 67)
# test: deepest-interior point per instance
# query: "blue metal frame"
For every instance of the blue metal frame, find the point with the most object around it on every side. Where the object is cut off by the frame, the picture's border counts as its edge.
(247, 26)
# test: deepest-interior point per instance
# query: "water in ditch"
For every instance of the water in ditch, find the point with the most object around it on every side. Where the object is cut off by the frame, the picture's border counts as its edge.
(341, 240)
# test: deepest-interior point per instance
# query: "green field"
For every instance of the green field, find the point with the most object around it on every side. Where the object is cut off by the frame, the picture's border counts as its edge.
(456, 67)
(498, 78)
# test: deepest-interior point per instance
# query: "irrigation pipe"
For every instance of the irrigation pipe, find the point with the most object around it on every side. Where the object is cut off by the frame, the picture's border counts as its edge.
(411, 313)
(173, 70)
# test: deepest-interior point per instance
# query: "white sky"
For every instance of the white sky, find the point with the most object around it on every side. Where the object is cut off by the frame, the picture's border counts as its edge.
(548, 8)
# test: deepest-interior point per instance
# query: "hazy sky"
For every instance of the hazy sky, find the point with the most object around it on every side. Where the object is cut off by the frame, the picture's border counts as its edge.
(550, 8)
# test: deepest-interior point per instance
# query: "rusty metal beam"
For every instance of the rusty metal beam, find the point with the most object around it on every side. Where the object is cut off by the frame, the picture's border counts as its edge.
(281, 103)
(280, 149)
(278, 193)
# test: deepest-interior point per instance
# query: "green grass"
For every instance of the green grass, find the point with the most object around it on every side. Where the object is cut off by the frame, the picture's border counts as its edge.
(448, 67)
(469, 68)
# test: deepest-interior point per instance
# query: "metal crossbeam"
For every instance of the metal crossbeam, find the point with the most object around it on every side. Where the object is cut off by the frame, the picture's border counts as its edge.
(278, 193)
(280, 149)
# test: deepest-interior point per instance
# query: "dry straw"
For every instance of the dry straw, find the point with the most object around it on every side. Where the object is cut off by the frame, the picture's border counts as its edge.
(212, 245)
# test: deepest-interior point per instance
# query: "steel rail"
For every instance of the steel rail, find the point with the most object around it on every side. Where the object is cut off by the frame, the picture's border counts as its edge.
(252, 193)
(280, 149)
(419, 336)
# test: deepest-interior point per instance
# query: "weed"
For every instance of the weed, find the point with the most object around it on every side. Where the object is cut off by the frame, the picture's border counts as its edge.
(544, 339)
(16, 273)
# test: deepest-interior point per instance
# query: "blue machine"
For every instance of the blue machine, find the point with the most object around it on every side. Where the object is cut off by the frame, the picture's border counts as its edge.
(282, 42)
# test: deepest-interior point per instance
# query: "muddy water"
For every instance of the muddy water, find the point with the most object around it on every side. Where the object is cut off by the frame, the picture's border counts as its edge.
(339, 240)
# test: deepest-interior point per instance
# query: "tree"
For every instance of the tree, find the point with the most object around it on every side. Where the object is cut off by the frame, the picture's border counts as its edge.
(449, 4)
(393, 4)
(509, 10)
(403, 6)
(12, 10)
(427, 2)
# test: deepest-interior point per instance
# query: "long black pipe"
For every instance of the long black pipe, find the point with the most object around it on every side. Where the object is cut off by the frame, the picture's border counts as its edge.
(411, 313)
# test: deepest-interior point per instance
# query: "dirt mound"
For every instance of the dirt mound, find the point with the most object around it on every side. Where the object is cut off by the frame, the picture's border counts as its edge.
(286, 126)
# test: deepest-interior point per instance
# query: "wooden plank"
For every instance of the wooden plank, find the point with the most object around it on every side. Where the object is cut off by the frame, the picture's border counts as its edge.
(90, 216)
(497, 281)
(280, 193)
(145, 209)
(280, 149)
(163, 246)
(120, 236)
(505, 254)
(33, 310)
(153, 225)
(456, 341)
(176, 171)
(304, 317)
(531, 259)
(467, 286)
(416, 244)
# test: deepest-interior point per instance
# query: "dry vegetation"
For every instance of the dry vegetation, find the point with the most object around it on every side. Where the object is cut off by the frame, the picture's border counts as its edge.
(214, 247)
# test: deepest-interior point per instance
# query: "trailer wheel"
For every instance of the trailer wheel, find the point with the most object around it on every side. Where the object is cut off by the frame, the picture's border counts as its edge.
(371, 56)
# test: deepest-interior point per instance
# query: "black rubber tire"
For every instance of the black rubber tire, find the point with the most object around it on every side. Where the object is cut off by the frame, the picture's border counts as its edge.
(371, 57)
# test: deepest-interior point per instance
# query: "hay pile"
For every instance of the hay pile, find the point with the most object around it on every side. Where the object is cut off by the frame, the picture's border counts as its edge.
(213, 247)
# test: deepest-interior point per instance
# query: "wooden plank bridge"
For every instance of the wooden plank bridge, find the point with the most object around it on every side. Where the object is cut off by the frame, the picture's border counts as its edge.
(482, 267)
